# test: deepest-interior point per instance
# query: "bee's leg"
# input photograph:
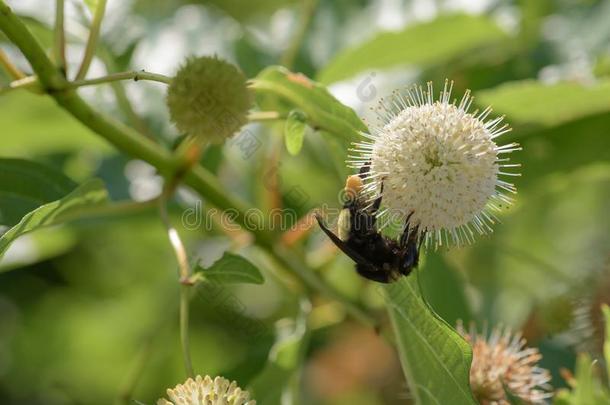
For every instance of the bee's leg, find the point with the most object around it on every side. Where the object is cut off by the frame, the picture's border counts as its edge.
(367, 218)
(364, 169)
(371, 273)
(410, 247)
(408, 235)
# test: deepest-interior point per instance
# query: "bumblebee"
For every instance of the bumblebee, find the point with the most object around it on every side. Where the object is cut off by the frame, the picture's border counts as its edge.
(377, 257)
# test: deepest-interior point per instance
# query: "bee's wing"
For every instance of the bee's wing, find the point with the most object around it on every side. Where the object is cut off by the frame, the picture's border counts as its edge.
(354, 255)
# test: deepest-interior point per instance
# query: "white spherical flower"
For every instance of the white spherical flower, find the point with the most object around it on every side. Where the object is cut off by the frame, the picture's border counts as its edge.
(205, 391)
(436, 165)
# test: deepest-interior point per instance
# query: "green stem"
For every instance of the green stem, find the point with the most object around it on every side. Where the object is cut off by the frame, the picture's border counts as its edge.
(12, 70)
(184, 329)
(94, 34)
(59, 46)
(176, 242)
(133, 75)
(27, 83)
(262, 116)
(123, 101)
(307, 12)
(118, 134)
(185, 282)
(134, 144)
(18, 33)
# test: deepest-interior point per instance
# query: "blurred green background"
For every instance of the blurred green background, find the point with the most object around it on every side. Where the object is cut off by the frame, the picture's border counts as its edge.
(85, 308)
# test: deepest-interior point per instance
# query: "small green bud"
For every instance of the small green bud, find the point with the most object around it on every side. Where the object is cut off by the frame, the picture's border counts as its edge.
(208, 99)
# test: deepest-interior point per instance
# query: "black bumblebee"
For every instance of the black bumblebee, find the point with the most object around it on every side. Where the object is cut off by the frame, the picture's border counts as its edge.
(377, 257)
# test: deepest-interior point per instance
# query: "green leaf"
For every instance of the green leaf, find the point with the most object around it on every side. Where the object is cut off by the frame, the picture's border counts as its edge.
(279, 381)
(435, 358)
(586, 384)
(25, 185)
(444, 289)
(532, 104)
(421, 44)
(230, 269)
(280, 89)
(67, 208)
(587, 389)
(44, 244)
(52, 130)
(560, 127)
(563, 148)
(294, 131)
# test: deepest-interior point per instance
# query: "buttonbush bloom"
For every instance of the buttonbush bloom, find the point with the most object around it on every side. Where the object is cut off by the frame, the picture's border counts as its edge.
(205, 391)
(502, 362)
(438, 164)
(208, 99)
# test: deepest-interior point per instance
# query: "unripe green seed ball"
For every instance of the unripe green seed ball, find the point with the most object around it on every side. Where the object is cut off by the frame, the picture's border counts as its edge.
(208, 99)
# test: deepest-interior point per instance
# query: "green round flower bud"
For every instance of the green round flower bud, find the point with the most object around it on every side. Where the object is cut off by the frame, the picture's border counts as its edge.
(208, 98)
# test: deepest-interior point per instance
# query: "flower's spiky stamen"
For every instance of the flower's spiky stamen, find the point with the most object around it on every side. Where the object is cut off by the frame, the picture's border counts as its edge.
(501, 359)
(438, 160)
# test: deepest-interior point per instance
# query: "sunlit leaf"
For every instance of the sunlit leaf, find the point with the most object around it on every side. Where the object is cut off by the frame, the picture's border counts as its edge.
(281, 89)
(435, 358)
(67, 208)
(531, 103)
(38, 246)
(294, 131)
(37, 125)
(25, 185)
(562, 148)
(232, 268)
(560, 127)
(422, 44)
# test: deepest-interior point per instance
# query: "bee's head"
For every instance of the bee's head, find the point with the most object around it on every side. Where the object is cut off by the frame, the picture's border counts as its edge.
(353, 185)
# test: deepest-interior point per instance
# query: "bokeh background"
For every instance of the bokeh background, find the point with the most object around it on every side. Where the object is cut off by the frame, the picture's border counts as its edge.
(88, 310)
